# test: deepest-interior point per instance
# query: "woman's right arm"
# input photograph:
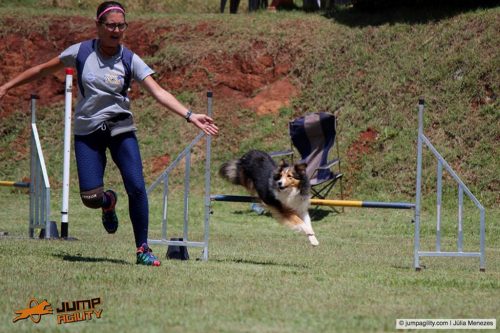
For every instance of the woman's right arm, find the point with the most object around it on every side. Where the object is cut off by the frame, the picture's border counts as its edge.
(32, 74)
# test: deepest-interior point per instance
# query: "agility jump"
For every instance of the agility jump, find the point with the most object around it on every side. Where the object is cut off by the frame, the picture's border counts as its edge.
(39, 186)
(185, 156)
(418, 253)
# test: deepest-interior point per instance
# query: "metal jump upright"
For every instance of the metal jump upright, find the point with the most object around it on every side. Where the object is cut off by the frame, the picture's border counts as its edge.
(441, 162)
(164, 177)
(39, 182)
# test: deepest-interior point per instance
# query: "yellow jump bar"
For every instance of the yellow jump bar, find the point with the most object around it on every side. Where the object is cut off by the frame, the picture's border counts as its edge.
(362, 204)
(340, 203)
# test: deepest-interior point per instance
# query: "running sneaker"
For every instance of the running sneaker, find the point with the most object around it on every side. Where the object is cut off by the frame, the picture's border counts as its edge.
(109, 218)
(145, 256)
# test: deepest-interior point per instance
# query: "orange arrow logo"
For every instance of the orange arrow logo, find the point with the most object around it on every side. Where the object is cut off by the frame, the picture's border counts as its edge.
(35, 311)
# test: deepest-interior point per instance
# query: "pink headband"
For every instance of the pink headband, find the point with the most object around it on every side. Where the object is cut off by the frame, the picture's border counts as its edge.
(109, 9)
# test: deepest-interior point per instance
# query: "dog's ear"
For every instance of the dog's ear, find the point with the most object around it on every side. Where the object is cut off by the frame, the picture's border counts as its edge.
(300, 168)
(282, 164)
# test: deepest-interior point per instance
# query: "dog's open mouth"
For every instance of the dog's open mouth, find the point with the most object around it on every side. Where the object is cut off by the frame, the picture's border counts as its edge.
(281, 187)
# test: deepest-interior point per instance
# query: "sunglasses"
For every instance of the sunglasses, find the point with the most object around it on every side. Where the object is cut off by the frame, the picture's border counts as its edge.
(113, 26)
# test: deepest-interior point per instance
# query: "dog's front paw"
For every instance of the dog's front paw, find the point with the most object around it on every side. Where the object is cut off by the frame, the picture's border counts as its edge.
(313, 240)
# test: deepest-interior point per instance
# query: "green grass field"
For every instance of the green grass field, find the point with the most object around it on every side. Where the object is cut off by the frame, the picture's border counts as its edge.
(260, 277)
(371, 67)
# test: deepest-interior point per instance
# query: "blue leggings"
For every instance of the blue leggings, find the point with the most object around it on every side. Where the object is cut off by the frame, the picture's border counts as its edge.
(90, 153)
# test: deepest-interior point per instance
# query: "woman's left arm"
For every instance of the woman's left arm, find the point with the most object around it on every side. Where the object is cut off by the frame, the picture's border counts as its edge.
(202, 121)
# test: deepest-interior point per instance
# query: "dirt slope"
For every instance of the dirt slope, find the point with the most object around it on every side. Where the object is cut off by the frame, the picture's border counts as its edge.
(257, 81)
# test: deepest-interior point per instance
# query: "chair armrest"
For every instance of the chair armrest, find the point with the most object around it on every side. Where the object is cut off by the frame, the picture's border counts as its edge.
(329, 164)
(287, 152)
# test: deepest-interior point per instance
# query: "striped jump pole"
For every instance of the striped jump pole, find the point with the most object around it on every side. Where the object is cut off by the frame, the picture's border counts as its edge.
(322, 202)
(362, 204)
(14, 184)
(67, 149)
(233, 198)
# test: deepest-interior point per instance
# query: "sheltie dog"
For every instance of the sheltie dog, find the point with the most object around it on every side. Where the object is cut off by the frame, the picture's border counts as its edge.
(282, 188)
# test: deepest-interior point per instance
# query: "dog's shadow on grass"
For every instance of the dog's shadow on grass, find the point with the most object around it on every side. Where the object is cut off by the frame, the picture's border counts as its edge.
(260, 263)
(319, 214)
(251, 212)
(402, 267)
(80, 258)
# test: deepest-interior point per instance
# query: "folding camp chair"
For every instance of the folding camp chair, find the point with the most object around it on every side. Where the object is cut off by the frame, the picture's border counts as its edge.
(313, 135)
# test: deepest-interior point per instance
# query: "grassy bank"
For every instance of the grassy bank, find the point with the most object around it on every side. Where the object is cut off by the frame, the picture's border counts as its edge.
(370, 74)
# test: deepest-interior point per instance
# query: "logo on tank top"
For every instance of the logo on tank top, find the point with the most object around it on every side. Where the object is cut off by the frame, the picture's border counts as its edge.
(112, 79)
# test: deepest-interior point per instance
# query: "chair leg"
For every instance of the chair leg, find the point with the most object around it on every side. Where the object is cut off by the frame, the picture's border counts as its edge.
(322, 193)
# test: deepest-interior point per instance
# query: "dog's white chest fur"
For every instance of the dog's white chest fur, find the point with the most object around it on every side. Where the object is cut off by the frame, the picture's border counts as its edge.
(292, 198)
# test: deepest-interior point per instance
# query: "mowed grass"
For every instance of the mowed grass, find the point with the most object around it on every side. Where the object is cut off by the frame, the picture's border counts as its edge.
(260, 277)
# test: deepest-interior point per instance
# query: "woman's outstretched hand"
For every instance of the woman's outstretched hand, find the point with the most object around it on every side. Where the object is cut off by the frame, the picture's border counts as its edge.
(205, 123)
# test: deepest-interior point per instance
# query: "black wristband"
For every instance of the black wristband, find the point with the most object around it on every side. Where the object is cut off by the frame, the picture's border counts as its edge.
(188, 116)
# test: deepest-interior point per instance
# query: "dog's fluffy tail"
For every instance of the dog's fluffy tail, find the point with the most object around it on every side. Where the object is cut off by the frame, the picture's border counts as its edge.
(231, 171)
